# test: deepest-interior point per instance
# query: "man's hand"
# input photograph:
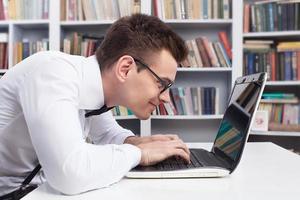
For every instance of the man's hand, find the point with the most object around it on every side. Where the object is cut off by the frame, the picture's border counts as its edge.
(134, 140)
(154, 152)
(156, 148)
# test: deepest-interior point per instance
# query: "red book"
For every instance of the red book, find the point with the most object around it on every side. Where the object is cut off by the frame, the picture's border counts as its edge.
(211, 57)
(155, 11)
(2, 16)
(224, 40)
(162, 110)
(246, 18)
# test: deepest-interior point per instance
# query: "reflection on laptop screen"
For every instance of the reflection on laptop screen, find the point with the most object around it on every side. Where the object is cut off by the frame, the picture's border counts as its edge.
(233, 130)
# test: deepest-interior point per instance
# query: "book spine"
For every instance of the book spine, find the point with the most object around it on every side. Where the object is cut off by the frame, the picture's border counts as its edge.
(288, 66)
(224, 40)
(298, 66)
(246, 18)
(203, 53)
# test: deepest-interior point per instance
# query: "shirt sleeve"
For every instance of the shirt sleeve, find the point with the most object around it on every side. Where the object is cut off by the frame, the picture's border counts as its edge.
(49, 99)
(105, 130)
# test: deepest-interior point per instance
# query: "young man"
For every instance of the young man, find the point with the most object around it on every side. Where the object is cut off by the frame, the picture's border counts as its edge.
(48, 103)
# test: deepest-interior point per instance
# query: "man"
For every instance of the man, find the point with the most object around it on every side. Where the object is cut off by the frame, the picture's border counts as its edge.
(48, 102)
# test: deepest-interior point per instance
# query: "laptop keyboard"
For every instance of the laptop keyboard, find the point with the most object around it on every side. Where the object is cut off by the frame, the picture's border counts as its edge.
(199, 158)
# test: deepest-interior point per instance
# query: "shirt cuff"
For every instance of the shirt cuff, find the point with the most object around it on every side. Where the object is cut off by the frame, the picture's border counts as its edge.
(134, 154)
(122, 136)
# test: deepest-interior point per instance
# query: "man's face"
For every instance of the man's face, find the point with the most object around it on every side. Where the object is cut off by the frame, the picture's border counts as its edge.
(149, 86)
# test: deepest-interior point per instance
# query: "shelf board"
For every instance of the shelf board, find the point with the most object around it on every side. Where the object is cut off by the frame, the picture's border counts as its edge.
(196, 23)
(125, 117)
(205, 69)
(4, 24)
(272, 34)
(30, 21)
(275, 133)
(29, 24)
(199, 21)
(87, 23)
(187, 117)
(282, 83)
(25, 23)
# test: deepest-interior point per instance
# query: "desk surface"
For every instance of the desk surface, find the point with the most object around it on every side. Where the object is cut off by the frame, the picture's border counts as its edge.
(266, 171)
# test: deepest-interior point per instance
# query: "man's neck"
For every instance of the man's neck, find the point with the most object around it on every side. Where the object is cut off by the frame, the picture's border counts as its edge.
(109, 89)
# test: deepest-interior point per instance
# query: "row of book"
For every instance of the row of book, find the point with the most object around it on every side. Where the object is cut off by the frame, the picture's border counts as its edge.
(275, 15)
(81, 44)
(26, 48)
(72, 10)
(191, 101)
(204, 53)
(283, 109)
(192, 9)
(24, 9)
(185, 101)
(281, 60)
(121, 111)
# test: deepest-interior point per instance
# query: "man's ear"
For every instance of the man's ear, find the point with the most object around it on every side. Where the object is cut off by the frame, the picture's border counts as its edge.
(123, 67)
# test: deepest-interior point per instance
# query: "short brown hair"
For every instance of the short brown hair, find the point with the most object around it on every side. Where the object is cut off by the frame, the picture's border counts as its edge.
(138, 35)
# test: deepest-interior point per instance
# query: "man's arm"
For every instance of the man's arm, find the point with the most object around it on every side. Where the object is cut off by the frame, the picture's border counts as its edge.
(155, 148)
(49, 100)
(105, 130)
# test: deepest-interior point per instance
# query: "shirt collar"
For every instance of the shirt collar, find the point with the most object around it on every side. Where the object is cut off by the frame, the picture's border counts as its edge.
(91, 93)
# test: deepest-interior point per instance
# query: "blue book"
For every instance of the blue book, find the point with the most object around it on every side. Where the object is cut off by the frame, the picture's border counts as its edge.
(206, 101)
(271, 17)
(181, 95)
(250, 63)
(26, 50)
(203, 106)
(205, 9)
(227, 60)
(288, 66)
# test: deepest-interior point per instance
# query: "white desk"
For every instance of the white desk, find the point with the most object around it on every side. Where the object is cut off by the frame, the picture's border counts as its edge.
(266, 171)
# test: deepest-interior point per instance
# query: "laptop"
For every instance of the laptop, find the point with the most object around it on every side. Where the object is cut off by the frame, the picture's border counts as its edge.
(228, 145)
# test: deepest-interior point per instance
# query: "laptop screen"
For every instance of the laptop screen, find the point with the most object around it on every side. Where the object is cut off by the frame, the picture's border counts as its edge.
(233, 130)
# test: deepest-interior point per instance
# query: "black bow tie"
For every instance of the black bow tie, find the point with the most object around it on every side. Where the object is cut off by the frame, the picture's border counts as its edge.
(103, 109)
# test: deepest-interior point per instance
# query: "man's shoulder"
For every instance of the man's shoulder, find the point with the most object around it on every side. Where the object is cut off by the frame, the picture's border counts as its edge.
(58, 55)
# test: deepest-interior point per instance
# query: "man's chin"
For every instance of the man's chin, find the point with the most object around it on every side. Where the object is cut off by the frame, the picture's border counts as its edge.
(143, 116)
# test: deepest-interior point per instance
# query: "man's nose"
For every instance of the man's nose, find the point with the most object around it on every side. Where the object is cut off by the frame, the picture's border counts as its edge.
(165, 96)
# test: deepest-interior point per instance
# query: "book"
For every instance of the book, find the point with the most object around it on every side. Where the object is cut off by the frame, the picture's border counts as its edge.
(225, 42)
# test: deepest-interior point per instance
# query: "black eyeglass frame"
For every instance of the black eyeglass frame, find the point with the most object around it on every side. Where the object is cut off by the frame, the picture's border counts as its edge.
(166, 85)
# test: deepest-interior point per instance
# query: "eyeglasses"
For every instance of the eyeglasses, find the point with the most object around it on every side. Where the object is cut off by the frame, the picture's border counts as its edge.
(165, 84)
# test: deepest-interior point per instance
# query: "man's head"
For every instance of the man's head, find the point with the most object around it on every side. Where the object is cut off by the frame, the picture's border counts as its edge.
(142, 53)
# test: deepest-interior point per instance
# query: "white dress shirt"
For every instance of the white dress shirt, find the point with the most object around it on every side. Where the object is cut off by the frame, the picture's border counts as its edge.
(43, 101)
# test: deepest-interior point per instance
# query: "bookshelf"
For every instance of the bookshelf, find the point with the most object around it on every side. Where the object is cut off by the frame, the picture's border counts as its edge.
(287, 139)
(191, 128)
